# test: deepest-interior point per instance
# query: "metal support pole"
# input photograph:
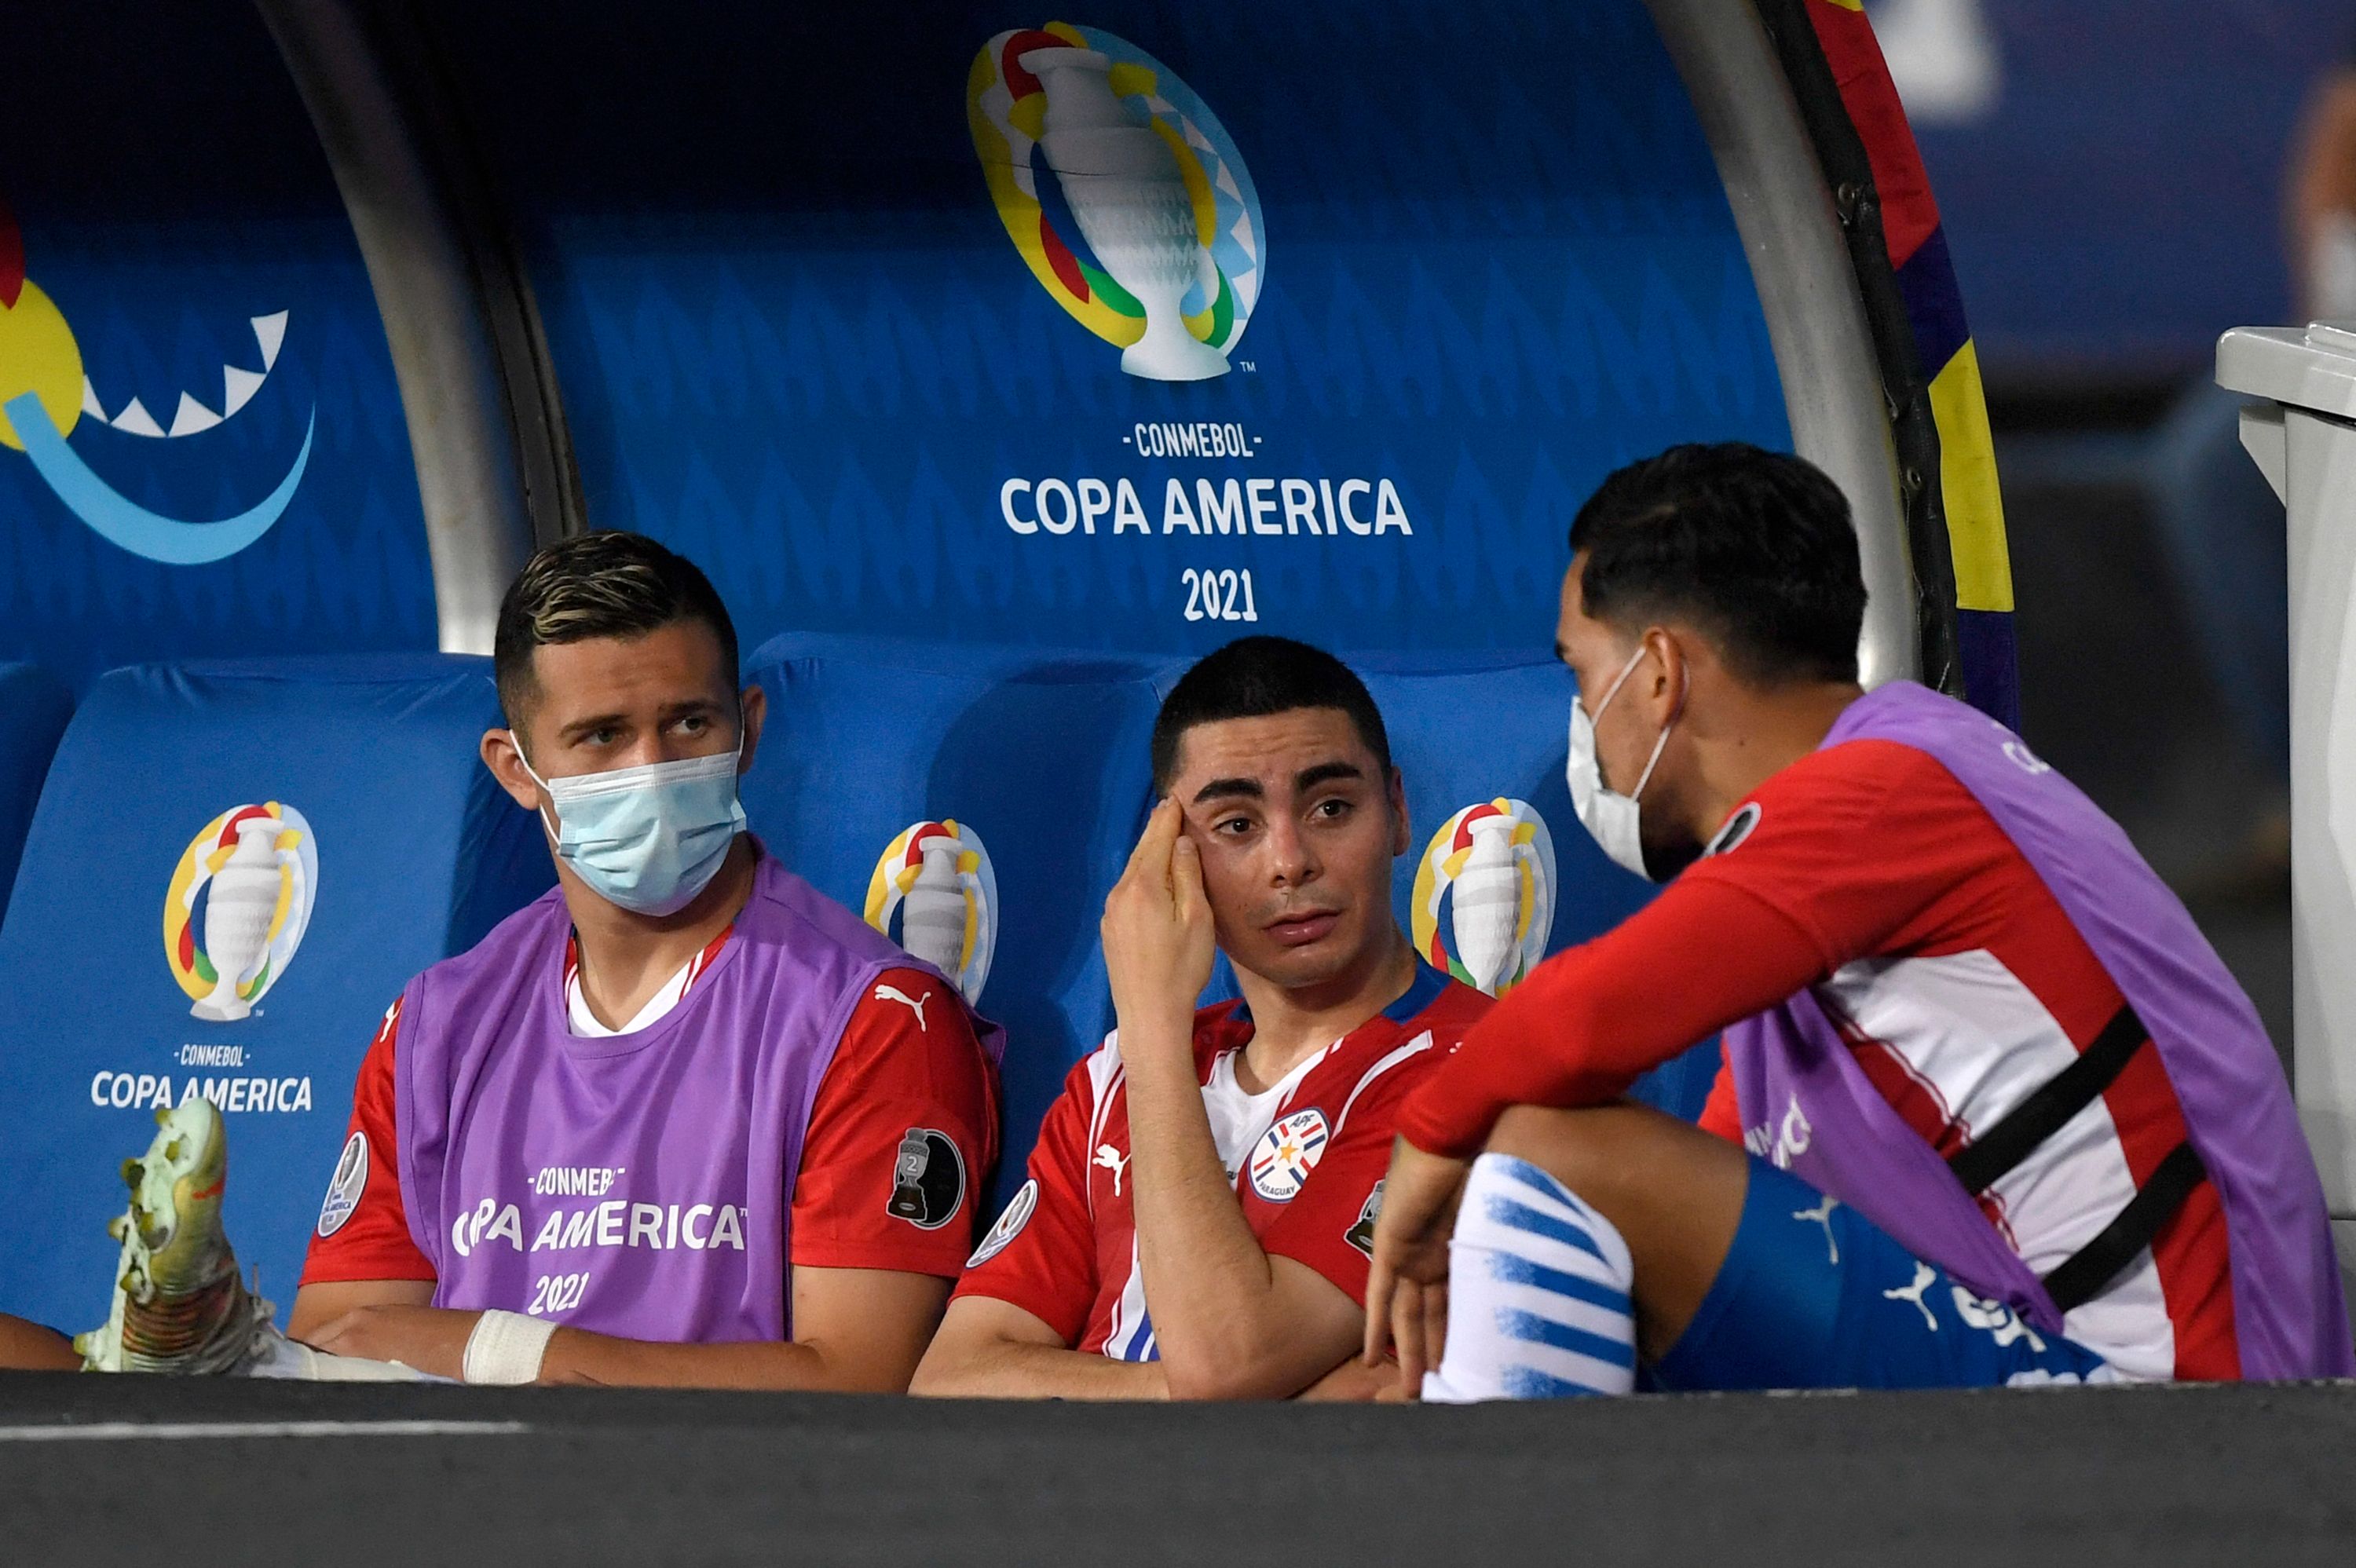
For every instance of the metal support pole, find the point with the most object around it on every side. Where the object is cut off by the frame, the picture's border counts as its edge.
(1809, 293)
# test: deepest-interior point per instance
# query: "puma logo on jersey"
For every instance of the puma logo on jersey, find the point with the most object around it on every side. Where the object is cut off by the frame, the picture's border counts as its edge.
(1924, 1278)
(1111, 1159)
(1823, 1215)
(914, 1004)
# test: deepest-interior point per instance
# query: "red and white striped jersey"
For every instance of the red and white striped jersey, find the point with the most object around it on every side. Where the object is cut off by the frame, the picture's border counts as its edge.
(1867, 873)
(1064, 1250)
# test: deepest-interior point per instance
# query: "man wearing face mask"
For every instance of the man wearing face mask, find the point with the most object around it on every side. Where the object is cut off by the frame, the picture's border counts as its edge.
(680, 1121)
(1992, 1110)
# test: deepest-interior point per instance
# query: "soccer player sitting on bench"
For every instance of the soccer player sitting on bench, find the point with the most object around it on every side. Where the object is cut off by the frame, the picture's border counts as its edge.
(1992, 1110)
(682, 1120)
(1201, 1199)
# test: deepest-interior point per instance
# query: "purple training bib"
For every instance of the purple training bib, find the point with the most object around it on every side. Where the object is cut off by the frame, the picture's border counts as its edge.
(639, 1185)
(1793, 1071)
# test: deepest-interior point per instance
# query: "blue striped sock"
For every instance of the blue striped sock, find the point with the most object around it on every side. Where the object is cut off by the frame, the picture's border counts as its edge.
(1538, 1284)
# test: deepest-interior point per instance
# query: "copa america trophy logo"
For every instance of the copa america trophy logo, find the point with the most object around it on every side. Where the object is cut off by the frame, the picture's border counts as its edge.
(255, 871)
(1152, 182)
(1494, 864)
(938, 875)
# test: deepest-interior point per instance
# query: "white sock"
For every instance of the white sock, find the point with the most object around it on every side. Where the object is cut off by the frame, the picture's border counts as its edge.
(1538, 1288)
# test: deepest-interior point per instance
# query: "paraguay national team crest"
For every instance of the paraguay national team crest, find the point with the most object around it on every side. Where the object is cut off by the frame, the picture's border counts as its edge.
(938, 876)
(1287, 1152)
(1123, 193)
(237, 907)
(1493, 864)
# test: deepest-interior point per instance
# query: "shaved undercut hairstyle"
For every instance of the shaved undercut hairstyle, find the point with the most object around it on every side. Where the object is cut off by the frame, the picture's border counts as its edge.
(598, 585)
(1756, 549)
(1252, 677)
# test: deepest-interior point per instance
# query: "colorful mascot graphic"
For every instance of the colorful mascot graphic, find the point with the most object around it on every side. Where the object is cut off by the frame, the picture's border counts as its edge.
(245, 885)
(1147, 176)
(1494, 864)
(938, 876)
(44, 394)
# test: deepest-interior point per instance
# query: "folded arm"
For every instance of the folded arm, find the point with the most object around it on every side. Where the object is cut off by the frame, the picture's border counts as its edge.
(1232, 1321)
(989, 1349)
(857, 1331)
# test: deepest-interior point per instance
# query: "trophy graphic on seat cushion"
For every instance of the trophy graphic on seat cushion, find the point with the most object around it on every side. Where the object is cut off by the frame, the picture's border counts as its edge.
(1124, 186)
(938, 876)
(1494, 862)
(1487, 916)
(933, 911)
(241, 906)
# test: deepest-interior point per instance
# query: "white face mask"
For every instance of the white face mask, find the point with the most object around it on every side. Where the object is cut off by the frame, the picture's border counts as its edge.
(649, 839)
(1615, 821)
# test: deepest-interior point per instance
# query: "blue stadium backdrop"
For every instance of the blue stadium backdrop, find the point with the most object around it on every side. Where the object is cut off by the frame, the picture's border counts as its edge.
(179, 286)
(844, 332)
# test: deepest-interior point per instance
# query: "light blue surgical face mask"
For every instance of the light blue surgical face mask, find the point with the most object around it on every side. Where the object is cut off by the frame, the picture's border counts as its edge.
(649, 839)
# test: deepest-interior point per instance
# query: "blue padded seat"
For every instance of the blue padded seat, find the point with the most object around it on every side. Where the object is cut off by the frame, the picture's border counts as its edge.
(1042, 756)
(1469, 729)
(234, 870)
(33, 707)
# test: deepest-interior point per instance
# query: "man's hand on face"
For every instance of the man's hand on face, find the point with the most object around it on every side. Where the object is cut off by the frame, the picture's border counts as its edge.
(431, 1338)
(1157, 928)
(1406, 1289)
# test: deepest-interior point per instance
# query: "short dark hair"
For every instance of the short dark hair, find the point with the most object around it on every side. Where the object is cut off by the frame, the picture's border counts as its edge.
(1755, 547)
(609, 585)
(1252, 677)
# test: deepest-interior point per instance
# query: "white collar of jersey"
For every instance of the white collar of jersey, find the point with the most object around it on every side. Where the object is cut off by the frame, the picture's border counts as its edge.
(1238, 1120)
(583, 1024)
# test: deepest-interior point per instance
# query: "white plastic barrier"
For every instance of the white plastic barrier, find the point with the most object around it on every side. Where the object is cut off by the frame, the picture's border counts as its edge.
(2304, 439)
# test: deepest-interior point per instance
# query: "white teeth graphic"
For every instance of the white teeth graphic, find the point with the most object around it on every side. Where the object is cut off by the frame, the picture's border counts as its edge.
(135, 419)
(270, 332)
(192, 416)
(238, 388)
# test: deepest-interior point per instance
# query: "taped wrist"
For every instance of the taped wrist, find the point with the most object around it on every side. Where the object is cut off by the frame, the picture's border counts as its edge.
(506, 1348)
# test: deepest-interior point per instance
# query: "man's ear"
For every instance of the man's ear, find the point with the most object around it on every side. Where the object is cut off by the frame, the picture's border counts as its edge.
(506, 762)
(1397, 791)
(753, 705)
(1672, 686)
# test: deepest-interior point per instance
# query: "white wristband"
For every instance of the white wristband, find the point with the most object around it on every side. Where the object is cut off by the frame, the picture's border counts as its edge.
(506, 1348)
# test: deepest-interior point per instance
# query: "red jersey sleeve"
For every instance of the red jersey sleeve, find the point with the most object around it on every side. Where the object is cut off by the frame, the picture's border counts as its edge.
(1328, 1225)
(363, 1230)
(1589, 1020)
(1041, 1255)
(1847, 850)
(900, 1137)
(1721, 1114)
(1865, 847)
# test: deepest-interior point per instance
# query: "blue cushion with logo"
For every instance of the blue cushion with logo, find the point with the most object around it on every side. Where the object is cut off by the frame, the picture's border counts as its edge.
(1466, 731)
(33, 707)
(1024, 777)
(236, 868)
